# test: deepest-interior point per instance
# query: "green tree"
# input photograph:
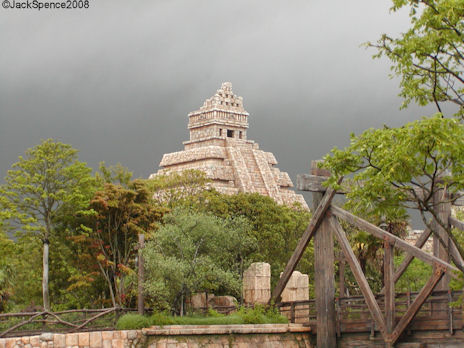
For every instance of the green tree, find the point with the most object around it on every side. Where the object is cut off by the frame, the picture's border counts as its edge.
(7, 251)
(47, 180)
(277, 228)
(429, 56)
(195, 252)
(176, 188)
(399, 168)
(114, 174)
(117, 216)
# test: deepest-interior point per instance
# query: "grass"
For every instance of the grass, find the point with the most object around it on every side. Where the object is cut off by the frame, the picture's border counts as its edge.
(257, 315)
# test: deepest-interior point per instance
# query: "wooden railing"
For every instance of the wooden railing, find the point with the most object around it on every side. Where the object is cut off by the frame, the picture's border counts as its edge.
(30, 323)
(441, 311)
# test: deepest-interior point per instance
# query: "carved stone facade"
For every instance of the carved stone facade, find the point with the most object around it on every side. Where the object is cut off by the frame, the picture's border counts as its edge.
(219, 146)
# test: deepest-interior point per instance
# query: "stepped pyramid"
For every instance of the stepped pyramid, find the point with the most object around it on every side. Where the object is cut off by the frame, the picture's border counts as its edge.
(219, 146)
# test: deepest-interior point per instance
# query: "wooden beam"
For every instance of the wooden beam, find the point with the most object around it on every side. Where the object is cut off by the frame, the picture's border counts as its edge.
(394, 240)
(456, 223)
(389, 268)
(314, 183)
(453, 249)
(304, 240)
(341, 276)
(324, 282)
(359, 275)
(441, 248)
(458, 199)
(417, 303)
(408, 259)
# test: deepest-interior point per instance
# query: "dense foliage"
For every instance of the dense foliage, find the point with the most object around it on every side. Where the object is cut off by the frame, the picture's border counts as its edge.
(429, 56)
(195, 252)
(92, 225)
(43, 186)
(398, 168)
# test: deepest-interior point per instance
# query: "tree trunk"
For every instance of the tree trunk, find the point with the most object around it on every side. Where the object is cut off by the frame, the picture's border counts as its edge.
(45, 292)
(141, 276)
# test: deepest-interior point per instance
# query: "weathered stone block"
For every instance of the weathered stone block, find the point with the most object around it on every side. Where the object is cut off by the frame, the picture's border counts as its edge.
(117, 343)
(46, 336)
(72, 340)
(257, 283)
(59, 341)
(95, 339)
(84, 339)
(106, 343)
(107, 335)
(35, 341)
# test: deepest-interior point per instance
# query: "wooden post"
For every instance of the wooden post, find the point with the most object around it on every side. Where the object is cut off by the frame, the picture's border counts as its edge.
(141, 276)
(324, 275)
(341, 275)
(389, 284)
(443, 209)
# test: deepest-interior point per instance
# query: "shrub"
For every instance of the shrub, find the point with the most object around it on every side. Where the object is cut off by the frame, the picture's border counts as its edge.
(132, 322)
(260, 315)
(257, 315)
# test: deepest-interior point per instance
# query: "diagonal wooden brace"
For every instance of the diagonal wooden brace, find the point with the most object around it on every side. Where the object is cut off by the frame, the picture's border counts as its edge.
(359, 275)
(314, 224)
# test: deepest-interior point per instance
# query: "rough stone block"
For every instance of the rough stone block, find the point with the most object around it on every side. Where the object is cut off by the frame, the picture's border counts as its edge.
(59, 341)
(107, 335)
(131, 335)
(95, 339)
(117, 343)
(257, 283)
(46, 336)
(72, 340)
(222, 301)
(84, 339)
(35, 341)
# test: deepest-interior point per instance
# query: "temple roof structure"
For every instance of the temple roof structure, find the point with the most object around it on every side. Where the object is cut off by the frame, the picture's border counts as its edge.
(219, 146)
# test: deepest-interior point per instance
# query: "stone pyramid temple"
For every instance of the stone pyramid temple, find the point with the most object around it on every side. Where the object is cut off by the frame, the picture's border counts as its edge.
(219, 146)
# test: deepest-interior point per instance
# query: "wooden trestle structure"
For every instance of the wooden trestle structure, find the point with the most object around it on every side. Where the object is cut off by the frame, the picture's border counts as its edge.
(325, 224)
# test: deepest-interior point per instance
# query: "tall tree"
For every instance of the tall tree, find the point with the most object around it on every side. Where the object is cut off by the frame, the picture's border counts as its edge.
(429, 56)
(6, 270)
(399, 168)
(194, 252)
(120, 215)
(48, 179)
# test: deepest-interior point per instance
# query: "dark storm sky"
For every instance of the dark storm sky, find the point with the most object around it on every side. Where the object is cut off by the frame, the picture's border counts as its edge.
(118, 79)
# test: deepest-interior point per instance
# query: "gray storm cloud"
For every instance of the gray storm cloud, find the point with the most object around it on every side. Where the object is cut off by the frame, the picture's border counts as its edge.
(118, 79)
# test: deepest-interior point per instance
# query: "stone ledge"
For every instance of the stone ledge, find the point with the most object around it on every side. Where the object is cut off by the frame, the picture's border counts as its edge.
(181, 330)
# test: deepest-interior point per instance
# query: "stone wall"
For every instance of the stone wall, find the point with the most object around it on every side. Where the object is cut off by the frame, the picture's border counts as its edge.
(230, 336)
(94, 339)
(215, 336)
